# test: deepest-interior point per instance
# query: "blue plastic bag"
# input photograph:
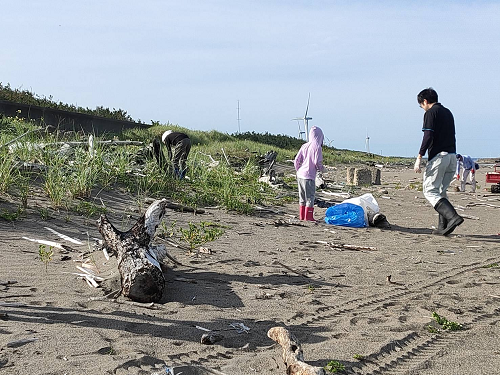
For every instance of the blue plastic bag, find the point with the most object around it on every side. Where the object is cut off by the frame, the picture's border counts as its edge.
(346, 215)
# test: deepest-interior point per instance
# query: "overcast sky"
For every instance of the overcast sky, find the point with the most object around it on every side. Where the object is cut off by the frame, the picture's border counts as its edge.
(189, 62)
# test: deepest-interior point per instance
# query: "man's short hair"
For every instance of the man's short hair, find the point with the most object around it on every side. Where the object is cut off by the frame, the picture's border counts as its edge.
(428, 94)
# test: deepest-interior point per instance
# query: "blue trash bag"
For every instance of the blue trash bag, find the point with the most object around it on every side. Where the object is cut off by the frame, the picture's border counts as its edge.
(346, 215)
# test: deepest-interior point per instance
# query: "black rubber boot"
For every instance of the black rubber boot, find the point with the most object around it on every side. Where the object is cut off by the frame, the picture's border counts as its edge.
(442, 222)
(445, 209)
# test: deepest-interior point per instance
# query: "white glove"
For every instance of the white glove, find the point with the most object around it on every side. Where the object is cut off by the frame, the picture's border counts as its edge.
(416, 167)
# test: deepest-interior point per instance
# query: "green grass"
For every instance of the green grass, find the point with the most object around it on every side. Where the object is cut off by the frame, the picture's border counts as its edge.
(335, 367)
(446, 324)
(8, 215)
(492, 265)
(45, 255)
(89, 209)
(199, 234)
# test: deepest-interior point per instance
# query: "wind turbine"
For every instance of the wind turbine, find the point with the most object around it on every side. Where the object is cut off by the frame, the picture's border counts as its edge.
(301, 132)
(367, 144)
(306, 121)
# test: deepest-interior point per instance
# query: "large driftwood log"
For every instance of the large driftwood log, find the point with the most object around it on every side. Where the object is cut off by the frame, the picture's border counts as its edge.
(292, 353)
(142, 278)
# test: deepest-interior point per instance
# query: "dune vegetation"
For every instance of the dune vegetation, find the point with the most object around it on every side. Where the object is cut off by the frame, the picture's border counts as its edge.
(223, 168)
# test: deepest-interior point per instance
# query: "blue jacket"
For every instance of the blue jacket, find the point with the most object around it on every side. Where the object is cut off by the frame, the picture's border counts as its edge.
(467, 163)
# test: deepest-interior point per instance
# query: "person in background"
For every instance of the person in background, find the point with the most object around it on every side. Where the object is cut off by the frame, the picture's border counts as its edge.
(439, 143)
(470, 167)
(178, 146)
(308, 161)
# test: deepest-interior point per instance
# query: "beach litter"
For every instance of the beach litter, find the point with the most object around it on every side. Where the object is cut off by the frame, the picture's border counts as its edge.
(240, 327)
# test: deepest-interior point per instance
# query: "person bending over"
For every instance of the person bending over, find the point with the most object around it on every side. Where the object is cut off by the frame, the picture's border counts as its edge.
(469, 167)
(178, 146)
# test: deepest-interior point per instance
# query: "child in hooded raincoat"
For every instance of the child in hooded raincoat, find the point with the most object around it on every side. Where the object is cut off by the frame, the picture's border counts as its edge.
(308, 161)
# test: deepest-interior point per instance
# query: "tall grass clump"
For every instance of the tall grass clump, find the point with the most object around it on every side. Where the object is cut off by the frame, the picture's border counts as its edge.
(152, 181)
(86, 171)
(223, 186)
(7, 172)
(114, 166)
(10, 173)
(56, 184)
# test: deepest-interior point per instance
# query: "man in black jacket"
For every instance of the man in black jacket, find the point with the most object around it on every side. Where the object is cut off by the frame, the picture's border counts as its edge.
(178, 146)
(439, 142)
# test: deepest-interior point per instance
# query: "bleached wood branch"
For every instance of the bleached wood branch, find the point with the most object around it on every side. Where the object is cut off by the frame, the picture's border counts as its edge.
(225, 156)
(64, 237)
(24, 134)
(292, 353)
(290, 269)
(346, 246)
(482, 204)
(469, 217)
(78, 143)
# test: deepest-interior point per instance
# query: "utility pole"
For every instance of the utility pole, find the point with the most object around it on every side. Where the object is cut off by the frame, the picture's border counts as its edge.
(239, 130)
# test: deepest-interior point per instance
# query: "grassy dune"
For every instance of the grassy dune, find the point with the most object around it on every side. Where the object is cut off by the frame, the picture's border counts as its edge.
(68, 175)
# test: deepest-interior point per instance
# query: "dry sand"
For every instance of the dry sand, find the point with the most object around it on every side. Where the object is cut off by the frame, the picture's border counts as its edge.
(338, 303)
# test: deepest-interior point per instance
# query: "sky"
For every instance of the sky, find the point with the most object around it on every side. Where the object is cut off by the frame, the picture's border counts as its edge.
(194, 62)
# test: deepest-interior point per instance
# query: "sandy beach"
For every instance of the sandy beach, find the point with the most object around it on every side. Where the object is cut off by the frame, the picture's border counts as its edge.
(370, 310)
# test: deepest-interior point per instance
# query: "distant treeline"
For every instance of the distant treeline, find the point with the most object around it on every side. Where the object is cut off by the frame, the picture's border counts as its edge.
(282, 141)
(29, 98)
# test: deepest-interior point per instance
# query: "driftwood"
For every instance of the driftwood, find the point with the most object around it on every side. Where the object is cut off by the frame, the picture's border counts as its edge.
(343, 246)
(87, 143)
(26, 133)
(482, 204)
(90, 143)
(292, 353)
(469, 217)
(142, 278)
(18, 343)
(179, 207)
(225, 156)
(30, 167)
(290, 269)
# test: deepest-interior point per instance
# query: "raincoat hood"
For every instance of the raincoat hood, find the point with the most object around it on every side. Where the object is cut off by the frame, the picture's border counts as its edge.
(316, 135)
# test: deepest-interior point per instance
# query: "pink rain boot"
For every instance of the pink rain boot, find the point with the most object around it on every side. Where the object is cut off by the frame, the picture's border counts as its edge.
(310, 214)
(302, 212)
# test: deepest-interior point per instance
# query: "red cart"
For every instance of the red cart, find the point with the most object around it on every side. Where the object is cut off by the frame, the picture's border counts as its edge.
(494, 178)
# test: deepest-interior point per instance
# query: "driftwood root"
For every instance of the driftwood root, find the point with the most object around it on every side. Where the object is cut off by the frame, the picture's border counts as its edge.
(292, 353)
(142, 277)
